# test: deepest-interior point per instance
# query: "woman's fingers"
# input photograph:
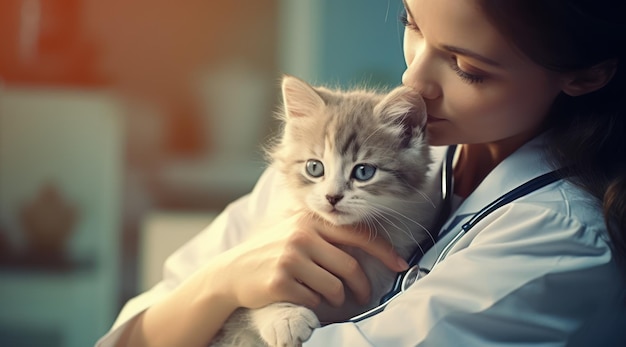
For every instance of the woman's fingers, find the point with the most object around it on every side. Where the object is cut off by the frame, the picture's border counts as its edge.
(317, 263)
(332, 261)
(301, 294)
(323, 282)
(345, 267)
(362, 238)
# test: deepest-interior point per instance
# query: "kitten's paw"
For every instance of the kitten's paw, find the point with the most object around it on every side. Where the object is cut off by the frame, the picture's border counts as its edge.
(285, 325)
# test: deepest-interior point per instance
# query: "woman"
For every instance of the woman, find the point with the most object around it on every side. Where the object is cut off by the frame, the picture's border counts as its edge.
(509, 81)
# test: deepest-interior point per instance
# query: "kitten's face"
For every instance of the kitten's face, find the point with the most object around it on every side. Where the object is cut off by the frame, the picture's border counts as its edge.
(352, 157)
(346, 189)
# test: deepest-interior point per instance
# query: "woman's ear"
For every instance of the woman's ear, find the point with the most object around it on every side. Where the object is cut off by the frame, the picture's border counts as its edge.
(585, 81)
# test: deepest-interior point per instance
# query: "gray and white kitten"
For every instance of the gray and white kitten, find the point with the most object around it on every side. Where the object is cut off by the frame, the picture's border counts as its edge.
(349, 158)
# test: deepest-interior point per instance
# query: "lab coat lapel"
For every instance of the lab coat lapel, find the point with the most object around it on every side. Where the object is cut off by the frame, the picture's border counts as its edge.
(526, 163)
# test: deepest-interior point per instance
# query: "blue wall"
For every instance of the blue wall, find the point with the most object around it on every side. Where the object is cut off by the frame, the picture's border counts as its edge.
(360, 41)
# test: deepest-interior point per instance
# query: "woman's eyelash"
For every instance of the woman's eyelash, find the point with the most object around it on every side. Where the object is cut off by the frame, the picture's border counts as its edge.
(467, 77)
(404, 19)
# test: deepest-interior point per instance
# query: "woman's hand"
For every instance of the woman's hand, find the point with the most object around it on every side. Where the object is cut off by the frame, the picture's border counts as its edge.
(298, 261)
(295, 261)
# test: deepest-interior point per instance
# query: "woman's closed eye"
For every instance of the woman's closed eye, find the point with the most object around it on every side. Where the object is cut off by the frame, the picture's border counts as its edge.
(467, 77)
(464, 75)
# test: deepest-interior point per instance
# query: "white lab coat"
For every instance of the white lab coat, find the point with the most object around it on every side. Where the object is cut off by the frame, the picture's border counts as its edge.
(538, 271)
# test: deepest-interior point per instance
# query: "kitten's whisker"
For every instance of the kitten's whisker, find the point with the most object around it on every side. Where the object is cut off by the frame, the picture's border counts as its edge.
(398, 213)
(416, 200)
(381, 207)
(413, 238)
(380, 213)
(371, 221)
(426, 197)
(422, 194)
(373, 228)
(382, 226)
(386, 213)
(391, 223)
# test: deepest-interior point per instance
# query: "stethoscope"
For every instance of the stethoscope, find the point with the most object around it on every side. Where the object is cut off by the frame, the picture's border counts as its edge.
(404, 280)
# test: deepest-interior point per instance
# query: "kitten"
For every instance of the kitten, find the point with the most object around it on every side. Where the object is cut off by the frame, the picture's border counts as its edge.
(349, 157)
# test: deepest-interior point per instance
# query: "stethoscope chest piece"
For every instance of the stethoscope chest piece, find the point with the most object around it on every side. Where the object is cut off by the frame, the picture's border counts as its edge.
(411, 276)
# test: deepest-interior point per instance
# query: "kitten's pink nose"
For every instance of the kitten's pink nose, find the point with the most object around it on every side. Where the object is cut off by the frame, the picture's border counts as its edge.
(334, 199)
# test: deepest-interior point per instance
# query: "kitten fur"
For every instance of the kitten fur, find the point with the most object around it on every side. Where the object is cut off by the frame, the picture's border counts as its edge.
(342, 131)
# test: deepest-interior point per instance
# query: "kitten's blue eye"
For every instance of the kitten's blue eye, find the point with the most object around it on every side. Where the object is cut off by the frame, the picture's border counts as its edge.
(314, 168)
(363, 172)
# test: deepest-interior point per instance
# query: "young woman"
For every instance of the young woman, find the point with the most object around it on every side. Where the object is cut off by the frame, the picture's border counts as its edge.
(514, 83)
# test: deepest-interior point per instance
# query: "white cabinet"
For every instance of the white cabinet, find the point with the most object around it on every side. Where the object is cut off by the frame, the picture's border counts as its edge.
(72, 141)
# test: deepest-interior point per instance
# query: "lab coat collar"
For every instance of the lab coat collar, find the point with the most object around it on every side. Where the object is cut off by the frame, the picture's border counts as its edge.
(526, 163)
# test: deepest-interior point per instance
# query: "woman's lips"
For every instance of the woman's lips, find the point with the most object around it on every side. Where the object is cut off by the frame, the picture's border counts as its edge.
(433, 119)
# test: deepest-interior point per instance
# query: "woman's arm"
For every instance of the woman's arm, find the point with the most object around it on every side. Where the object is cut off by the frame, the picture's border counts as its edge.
(190, 316)
(229, 229)
(295, 260)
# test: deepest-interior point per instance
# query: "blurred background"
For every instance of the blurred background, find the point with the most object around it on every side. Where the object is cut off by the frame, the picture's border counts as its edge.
(127, 125)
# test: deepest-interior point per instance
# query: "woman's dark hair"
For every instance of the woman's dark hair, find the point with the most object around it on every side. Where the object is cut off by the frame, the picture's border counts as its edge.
(588, 131)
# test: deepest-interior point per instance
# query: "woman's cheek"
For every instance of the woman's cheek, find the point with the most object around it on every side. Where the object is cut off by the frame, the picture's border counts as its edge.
(489, 115)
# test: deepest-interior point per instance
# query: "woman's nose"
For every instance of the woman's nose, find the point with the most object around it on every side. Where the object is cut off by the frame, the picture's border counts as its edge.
(421, 75)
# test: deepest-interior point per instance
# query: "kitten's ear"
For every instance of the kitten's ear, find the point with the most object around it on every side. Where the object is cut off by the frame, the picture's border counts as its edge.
(403, 106)
(299, 98)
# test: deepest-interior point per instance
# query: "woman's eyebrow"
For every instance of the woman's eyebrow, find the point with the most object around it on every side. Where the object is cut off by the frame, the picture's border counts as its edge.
(458, 50)
(468, 53)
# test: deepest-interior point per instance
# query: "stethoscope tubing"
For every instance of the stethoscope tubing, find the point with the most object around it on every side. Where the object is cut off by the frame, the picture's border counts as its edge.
(401, 284)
